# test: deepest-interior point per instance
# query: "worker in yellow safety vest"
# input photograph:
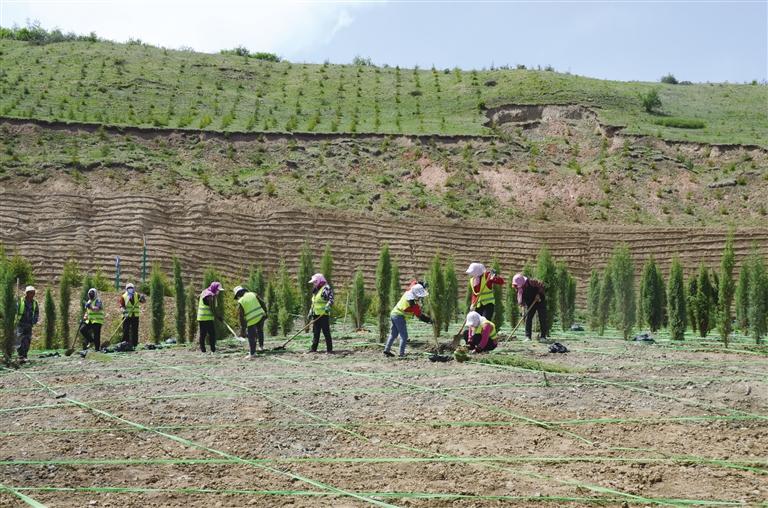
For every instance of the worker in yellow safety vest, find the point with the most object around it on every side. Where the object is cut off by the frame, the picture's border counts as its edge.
(206, 313)
(93, 319)
(320, 312)
(409, 303)
(129, 303)
(480, 289)
(253, 314)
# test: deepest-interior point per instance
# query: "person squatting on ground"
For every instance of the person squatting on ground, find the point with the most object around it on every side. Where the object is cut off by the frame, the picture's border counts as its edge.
(481, 284)
(27, 315)
(93, 319)
(206, 312)
(252, 313)
(481, 333)
(129, 304)
(410, 303)
(530, 295)
(320, 313)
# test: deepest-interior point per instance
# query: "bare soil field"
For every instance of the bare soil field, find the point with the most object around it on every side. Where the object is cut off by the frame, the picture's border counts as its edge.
(630, 425)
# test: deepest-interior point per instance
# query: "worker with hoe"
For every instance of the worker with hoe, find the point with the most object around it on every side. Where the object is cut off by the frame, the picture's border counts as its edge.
(410, 303)
(320, 312)
(27, 315)
(129, 303)
(206, 312)
(252, 313)
(481, 284)
(93, 319)
(530, 297)
(481, 333)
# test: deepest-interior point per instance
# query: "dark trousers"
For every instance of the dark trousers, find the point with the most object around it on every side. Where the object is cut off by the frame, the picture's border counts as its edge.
(256, 331)
(486, 311)
(131, 331)
(323, 324)
(24, 333)
(539, 308)
(207, 328)
(92, 334)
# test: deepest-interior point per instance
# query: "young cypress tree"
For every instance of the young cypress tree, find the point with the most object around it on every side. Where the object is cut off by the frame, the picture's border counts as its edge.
(652, 296)
(742, 299)
(395, 291)
(157, 295)
(528, 269)
(383, 289)
(570, 302)
(546, 271)
(87, 285)
(624, 282)
(287, 299)
(676, 301)
(704, 301)
(436, 297)
(606, 300)
(498, 299)
(662, 285)
(69, 275)
(181, 301)
(9, 313)
(758, 298)
(191, 311)
(326, 264)
(50, 320)
(690, 303)
(593, 301)
(306, 270)
(561, 277)
(513, 310)
(360, 301)
(273, 306)
(451, 293)
(256, 282)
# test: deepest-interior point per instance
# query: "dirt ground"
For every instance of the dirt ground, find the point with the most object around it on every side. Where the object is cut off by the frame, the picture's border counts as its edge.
(632, 424)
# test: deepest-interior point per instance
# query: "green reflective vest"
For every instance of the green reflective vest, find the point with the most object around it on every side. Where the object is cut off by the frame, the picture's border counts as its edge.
(252, 309)
(94, 316)
(204, 312)
(403, 304)
(318, 303)
(485, 295)
(22, 307)
(132, 309)
(485, 322)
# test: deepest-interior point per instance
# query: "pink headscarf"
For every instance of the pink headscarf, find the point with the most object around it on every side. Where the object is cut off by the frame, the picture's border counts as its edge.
(317, 280)
(212, 290)
(519, 281)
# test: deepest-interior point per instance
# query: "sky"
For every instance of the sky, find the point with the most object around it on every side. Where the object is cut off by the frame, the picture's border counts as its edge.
(624, 40)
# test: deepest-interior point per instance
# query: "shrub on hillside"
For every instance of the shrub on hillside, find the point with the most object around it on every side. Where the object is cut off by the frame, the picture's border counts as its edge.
(651, 100)
(669, 79)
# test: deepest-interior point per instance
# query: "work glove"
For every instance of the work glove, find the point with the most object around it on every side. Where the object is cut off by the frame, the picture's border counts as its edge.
(328, 308)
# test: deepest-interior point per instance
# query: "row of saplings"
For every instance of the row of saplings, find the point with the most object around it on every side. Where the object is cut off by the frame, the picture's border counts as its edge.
(705, 302)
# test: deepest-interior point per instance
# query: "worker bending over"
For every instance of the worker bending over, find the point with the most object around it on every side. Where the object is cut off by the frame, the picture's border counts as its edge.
(481, 333)
(410, 303)
(253, 312)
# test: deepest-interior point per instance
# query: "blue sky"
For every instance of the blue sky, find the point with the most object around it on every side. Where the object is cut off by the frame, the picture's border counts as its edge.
(641, 40)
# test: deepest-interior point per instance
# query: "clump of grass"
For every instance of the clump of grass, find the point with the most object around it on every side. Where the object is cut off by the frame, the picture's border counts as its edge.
(680, 123)
(522, 363)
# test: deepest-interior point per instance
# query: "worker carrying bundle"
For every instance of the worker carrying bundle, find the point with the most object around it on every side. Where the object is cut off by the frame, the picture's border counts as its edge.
(480, 334)
(252, 314)
(410, 303)
(530, 297)
(481, 284)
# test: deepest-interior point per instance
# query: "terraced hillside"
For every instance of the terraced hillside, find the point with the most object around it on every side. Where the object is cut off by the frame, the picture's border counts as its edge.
(111, 142)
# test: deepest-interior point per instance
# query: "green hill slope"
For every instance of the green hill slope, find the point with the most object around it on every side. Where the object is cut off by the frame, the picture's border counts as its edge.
(138, 85)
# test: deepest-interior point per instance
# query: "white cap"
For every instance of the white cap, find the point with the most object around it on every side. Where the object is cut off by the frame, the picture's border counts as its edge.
(129, 286)
(29, 289)
(418, 291)
(476, 269)
(473, 320)
(238, 289)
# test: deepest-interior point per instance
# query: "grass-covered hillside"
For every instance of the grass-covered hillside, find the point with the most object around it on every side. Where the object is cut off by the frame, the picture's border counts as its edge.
(134, 84)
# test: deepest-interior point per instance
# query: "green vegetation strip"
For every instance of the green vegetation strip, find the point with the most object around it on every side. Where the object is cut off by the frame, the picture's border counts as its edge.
(396, 495)
(754, 466)
(214, 451)
(15, 492)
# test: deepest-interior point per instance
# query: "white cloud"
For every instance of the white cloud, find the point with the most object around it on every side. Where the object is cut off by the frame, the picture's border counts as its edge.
(287, 28)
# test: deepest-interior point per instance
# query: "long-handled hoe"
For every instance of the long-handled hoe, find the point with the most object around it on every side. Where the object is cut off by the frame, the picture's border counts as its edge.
(281, 347)
(71, 345)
